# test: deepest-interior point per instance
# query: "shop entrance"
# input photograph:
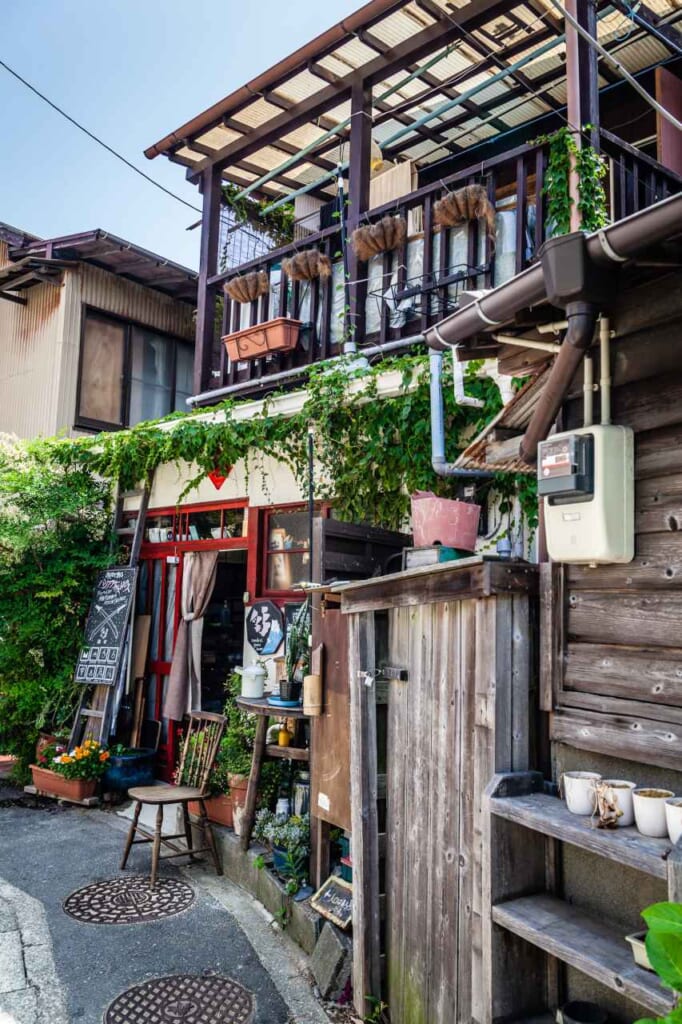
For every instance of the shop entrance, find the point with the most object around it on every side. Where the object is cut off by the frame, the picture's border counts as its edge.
(223, 636)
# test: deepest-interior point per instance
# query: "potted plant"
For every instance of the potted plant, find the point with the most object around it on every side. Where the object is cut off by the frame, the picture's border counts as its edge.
(219, 802)
(297, 656)
(70, 774)
(288, 838)
(128, 767)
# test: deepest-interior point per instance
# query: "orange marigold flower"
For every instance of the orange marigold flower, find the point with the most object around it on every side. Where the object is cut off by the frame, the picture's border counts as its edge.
(104, 756)
(66, 759)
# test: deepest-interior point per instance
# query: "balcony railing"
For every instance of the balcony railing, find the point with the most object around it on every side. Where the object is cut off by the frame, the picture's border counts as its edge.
(403, 292)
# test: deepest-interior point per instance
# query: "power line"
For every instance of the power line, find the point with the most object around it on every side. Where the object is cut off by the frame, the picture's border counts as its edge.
(94, 138)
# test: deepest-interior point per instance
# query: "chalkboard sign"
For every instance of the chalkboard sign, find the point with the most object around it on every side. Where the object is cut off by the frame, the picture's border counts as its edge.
(335, 901)
(264, 627)
(105, 629)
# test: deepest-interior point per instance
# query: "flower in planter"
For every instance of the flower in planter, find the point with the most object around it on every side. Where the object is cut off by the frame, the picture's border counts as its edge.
(88, 761)
(288, 836)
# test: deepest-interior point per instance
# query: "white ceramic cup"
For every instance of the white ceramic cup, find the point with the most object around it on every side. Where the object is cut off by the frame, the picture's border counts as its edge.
(622, 790)
(650, 811)
(579, 791)
(673, 817)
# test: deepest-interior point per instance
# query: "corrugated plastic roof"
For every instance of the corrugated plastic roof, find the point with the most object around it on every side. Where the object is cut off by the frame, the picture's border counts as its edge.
(473, 40)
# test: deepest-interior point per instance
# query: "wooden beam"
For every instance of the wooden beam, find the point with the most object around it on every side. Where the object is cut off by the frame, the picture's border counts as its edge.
(20, 299)
(383, 66)
(208, 260)
(363, 780)
(358, 198)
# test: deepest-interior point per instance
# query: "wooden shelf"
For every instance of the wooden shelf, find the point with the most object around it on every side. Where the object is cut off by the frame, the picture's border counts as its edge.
(288, 753)
(260, 706)
(549, 815)
(598, 950)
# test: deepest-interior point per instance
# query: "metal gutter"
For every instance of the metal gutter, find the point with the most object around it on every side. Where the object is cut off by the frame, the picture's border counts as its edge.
(615, 244)
(294, 62)
(563, 281)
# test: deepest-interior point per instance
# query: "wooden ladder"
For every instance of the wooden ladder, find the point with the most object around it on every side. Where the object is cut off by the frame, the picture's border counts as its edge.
(94, 714)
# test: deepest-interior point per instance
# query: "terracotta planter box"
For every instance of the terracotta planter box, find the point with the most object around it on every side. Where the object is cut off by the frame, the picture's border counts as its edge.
(218, 809)
(56, 785)
(239, 784)
(279, 335)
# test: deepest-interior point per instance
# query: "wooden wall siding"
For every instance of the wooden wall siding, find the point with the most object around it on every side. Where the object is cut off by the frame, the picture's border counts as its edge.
(612, 635)
(463, 713)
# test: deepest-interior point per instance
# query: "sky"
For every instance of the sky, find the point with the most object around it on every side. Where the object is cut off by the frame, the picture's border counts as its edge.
(131, 71)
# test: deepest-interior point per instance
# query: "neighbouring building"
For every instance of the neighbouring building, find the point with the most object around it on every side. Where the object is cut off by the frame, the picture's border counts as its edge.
(97, 333)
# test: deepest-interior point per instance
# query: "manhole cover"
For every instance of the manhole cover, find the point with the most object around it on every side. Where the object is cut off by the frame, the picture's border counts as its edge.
(129, 900)
(190, 999)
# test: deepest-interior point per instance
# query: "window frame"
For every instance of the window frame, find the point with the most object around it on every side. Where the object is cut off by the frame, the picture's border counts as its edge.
(281, 597)
(87, 423)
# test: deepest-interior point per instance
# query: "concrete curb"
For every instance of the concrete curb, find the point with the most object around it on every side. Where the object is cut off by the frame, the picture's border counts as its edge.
(285, 963)
(30, 992)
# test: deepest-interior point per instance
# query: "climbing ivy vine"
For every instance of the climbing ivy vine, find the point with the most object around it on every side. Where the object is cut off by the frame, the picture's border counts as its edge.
(591, 170)
(370, 452)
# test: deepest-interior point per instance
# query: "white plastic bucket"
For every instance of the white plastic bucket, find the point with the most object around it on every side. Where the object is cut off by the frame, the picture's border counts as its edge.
(579, 791)
(650, 811)
(673, 817)
(622, 791)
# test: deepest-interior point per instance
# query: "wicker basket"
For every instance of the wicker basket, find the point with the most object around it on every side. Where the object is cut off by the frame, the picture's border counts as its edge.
(248, 287)
(464, 205)
(307, 265)
(387, 234)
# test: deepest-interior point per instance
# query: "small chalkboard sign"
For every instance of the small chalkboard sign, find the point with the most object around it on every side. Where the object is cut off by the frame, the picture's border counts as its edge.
(105, 630)
(335, 901)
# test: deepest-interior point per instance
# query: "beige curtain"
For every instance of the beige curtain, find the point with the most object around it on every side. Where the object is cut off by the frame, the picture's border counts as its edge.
(184, 682)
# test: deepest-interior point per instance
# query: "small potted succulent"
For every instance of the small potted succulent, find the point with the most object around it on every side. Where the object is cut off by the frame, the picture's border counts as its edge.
(288, 838)
(71, 774)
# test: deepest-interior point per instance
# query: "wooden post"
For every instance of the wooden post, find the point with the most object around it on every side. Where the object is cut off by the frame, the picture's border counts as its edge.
(363, 780)
(208, 263)
(358, 198)
(582, 86)
(254, 780)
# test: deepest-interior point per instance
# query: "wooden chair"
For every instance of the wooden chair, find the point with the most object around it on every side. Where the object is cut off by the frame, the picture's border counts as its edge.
(202, 740)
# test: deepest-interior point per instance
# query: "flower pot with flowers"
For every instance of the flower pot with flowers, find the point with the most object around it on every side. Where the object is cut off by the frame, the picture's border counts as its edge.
(70, 774)
(288, 838)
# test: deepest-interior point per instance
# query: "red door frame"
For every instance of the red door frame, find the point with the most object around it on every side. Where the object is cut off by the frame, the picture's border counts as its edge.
(152, 552)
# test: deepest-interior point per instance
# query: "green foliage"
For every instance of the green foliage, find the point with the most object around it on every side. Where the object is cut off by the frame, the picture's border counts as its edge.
(591, 169)
(370, 454)
(278, 224)
(54, 526)
(236, 749)
(664, 948)
(86, 762)
(378, 1010)
(297, 659)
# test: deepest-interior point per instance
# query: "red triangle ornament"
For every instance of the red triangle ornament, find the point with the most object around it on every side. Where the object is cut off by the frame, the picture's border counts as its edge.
(217, 478)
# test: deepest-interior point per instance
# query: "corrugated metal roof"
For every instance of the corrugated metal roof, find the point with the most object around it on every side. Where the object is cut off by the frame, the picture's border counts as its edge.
(486, 451)
(471, 49)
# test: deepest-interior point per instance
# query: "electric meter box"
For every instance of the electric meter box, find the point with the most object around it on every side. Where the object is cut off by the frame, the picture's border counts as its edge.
(586, 479)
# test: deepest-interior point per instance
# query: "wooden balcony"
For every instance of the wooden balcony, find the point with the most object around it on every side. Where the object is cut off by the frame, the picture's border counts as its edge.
(400, 293)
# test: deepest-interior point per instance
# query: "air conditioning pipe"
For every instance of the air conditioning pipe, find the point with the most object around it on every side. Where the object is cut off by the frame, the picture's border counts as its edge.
(438, 460)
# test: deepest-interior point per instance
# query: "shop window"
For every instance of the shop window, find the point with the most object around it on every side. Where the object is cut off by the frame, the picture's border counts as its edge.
(129, 373)
(287, 555)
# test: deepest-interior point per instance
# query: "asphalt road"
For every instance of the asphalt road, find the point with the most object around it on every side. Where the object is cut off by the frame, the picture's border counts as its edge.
(49, 853)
